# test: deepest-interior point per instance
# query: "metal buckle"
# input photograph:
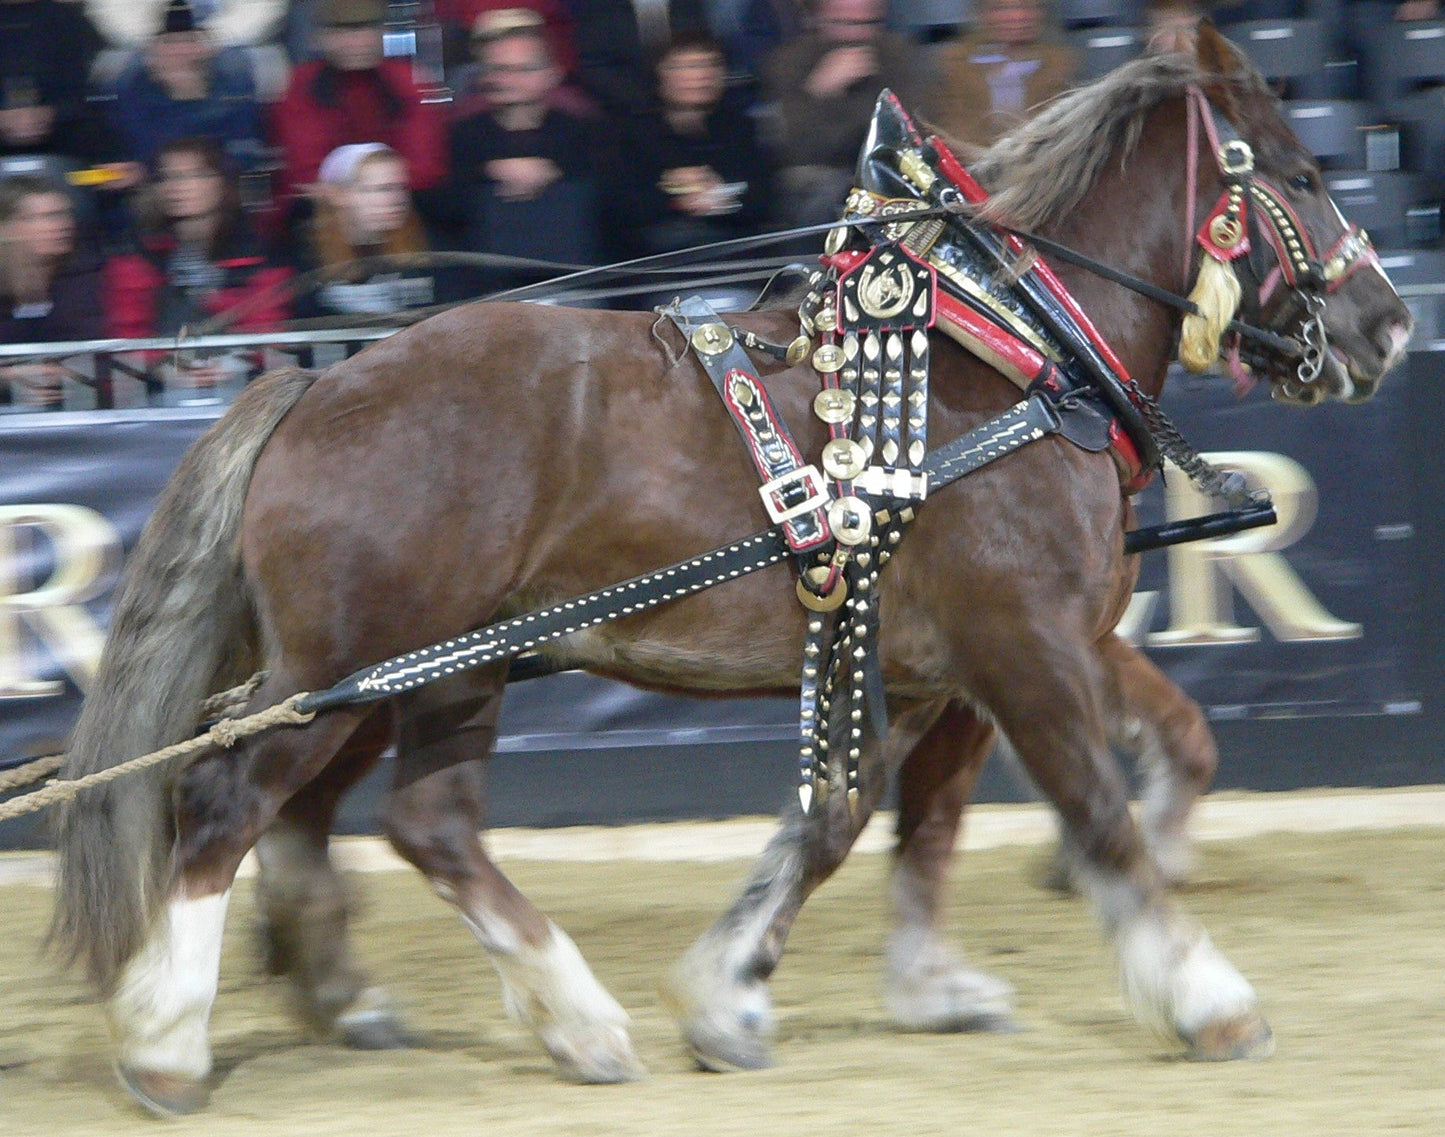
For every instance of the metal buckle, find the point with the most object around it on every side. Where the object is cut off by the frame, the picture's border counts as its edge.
(1236, 158)
(809, 479)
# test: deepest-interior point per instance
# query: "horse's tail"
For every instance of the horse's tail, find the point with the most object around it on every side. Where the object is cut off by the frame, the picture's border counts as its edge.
(182, 626)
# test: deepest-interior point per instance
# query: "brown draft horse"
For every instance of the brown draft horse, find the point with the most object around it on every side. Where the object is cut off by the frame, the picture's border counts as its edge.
(498, 458)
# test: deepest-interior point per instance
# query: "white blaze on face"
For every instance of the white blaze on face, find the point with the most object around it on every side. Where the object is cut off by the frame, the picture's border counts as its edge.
(1374, 261)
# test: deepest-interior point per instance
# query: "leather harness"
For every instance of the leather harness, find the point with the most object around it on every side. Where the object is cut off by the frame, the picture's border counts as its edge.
(864, 328)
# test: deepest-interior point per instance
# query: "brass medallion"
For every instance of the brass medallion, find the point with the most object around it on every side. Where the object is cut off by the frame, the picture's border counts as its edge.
(834, 405)
(1225, 231)
(850, 520)
(712, 339)
(798, 350)
(828, 358)
(818, 576)
(843, 459)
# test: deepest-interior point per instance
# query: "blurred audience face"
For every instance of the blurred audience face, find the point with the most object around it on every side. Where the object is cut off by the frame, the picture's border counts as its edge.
(691, 78)
(850, 21)
(517, 70)
(42, 227)
(1013, 23)
(180, 49)
(376, 201)
(189, 187)
(351, 47)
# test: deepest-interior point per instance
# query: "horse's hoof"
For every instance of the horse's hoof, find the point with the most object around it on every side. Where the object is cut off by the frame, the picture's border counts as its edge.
(369, 1022)
(721, 1052)
(929, 991)
(164, 1095)
(374, 1032)
(723, 1034)
(604, 1059)
(1245, 1035)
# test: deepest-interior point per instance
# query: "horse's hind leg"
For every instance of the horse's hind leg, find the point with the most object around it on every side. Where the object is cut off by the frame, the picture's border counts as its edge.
(1172, 976)
(303, 904)
(433, 816)
(718, 991)
(160, 1006)
(1165, 730)
(926, 986)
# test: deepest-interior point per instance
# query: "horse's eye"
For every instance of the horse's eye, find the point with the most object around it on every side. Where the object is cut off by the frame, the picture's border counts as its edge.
(1302, 182)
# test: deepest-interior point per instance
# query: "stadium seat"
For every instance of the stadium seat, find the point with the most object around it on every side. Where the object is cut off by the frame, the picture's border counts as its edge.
(1098, 13)
(1283, 49)
(1331, 129)
(1403, 57)
(1378, 202)
(1103, 49)
(1422, 121)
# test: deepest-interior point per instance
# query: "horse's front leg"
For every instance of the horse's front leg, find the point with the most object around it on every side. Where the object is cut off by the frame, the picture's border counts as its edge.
(718, 991)
(926, 985)
(433, 816)
(1165, 730)
(1049, 703)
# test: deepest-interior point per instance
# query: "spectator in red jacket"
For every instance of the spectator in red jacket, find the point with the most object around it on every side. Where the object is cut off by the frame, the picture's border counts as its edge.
(194, 257)
(353, 94)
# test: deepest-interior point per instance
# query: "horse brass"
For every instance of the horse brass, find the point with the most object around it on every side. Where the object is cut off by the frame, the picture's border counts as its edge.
(1225, 231)
(834, 405)
(798, 350)
(712, 339)
(828, 601)
(828, 358)
(843, 459)
(850, 520)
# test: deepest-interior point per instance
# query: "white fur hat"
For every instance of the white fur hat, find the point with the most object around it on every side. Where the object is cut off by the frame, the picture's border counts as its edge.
(338, 167)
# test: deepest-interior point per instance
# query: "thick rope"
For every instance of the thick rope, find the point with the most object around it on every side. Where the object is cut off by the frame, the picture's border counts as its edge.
(30, 772)
(225, 733)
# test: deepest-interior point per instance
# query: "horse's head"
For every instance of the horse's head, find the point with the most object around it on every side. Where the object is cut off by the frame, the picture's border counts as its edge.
(1274, 251)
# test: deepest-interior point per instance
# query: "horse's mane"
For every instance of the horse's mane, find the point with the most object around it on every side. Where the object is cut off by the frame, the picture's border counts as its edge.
(1042, 169)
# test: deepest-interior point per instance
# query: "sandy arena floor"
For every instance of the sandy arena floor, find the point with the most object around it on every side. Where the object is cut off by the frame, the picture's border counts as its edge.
(1342, 933)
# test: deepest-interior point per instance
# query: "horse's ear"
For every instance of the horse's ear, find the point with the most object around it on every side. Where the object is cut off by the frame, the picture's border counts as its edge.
(1215, 54)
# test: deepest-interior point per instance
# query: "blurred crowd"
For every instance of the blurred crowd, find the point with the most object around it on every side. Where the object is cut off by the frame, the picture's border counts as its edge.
(167, 165)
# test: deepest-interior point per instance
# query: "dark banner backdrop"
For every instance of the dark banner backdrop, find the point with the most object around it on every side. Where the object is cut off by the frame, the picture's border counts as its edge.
(1283, 634)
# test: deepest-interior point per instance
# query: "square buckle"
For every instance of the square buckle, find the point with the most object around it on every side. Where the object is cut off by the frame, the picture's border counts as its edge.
(807, 480)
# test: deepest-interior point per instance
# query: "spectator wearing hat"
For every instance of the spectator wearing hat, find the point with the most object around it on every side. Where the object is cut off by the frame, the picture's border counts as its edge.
(354, 94)
(183, 84)
(129, 24)
(364, 210)
(523, 169)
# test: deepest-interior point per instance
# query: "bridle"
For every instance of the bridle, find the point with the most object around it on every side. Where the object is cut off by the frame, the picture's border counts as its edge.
(1250, 213)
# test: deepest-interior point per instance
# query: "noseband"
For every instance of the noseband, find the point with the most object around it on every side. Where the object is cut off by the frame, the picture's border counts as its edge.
(1234, 235)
